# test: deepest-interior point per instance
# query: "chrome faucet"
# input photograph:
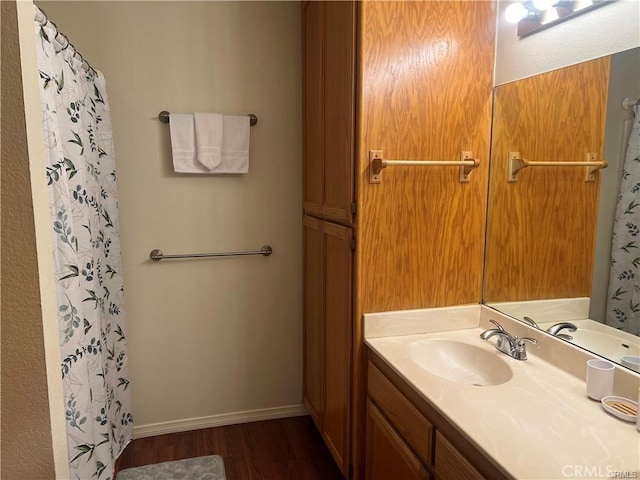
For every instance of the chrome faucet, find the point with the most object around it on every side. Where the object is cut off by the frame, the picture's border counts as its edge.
(530, 321)
(508, 344)
(555, 330)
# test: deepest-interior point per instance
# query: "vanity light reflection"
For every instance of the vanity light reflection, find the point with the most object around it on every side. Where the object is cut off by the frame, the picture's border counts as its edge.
(535, 15)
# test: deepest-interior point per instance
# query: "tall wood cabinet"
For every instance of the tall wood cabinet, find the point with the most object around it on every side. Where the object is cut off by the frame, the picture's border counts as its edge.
(413, 79)
(327, 335)
(329, 72)
(328, 203)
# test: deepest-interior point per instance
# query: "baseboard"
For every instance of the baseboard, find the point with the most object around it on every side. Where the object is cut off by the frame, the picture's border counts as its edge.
(176, 426)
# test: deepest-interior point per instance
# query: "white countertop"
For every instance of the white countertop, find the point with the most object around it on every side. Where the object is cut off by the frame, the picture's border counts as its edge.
(538, 425)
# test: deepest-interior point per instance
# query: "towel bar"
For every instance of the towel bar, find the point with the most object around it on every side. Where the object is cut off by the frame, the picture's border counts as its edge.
(377, 163)
(517, 163)
(164, 116)
(156, 255)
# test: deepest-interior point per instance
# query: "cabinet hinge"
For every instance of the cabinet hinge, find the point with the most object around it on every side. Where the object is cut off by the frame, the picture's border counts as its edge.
(353, 244)
(354, 208)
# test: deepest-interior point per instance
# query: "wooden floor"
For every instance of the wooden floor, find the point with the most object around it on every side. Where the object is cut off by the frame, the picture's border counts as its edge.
(282, 449)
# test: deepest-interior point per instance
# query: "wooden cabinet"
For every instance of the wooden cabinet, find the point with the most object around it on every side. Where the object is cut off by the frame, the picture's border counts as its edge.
(328, 196)
(327, 332)
(329, 105)
(417, 436)
(388, 456)
(409, 422)
(313, 317)
(450, 463)
(415, 80)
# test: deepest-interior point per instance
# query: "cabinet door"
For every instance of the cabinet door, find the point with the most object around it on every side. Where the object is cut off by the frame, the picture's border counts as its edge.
(388, 456)
(450, 463)
(313, 279)
(337, 345)
(339, 105)
(313, 106)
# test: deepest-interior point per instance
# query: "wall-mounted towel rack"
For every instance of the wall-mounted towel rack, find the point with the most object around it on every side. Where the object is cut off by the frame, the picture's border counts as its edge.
(164, 117)
(516, 163)
(628, 103)
(156, 255)
(377, 163)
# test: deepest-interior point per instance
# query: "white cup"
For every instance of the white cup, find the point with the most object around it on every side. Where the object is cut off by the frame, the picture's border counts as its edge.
(599, 378)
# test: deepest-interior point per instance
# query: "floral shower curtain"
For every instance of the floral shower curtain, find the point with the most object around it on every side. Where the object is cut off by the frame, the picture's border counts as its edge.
(84, 223)
(623, 306)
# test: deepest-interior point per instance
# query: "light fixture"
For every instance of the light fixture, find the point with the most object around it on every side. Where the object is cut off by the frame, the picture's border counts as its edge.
(542, 5)
(535, 15)
(549, 15)
(516, 12)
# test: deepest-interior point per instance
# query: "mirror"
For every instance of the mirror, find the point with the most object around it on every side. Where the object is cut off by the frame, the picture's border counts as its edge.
(537, 15)
(549, 227)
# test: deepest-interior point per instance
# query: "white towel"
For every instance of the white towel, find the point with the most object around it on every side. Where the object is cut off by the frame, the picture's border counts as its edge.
(209, 132)
(235, 145)
(183, 144)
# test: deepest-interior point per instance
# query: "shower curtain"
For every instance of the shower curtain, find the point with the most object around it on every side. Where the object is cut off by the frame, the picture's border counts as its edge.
(623, 305)
(83, 212)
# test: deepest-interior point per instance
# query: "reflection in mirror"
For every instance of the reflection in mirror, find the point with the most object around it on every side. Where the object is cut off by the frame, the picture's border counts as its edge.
(537, 15)
(549, 234)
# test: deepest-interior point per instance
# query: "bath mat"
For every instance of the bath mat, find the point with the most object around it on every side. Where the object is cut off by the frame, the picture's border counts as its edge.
(199, 468)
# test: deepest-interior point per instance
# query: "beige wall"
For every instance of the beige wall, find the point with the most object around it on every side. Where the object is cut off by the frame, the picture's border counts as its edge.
(206, 337)
(25, 404)
(33, 442)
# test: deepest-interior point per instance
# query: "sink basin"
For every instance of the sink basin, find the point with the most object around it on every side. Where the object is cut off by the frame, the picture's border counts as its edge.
(460, 362)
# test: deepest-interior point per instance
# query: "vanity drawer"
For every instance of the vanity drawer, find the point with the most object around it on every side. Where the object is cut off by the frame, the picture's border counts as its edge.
(416, 430)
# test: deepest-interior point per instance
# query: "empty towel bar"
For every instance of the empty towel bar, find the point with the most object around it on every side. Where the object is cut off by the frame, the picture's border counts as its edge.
(156, 255)
(517, 163)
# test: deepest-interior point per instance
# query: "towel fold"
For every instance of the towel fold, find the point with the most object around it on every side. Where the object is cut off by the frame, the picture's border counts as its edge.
(209, 135)
(183, 143)
(235, 145)
(209, 143)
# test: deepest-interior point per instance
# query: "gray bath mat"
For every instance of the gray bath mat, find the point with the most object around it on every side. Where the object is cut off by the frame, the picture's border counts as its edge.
(198, 468)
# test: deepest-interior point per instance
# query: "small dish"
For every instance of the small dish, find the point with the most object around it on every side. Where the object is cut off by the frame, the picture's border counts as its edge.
(620, 407)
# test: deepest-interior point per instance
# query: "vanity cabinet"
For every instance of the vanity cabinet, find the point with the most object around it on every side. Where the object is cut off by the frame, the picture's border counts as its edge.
(450, 463)
(408, 439)
(388, 455)
(414, 80)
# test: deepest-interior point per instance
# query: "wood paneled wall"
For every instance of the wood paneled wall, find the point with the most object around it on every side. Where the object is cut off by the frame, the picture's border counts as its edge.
(425, 78)
(541, 230)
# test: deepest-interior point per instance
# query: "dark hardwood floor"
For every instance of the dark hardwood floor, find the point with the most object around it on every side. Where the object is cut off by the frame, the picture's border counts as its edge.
(282, 449)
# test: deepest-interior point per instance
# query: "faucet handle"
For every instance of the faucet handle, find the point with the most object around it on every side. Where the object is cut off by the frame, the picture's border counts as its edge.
(519, 351)
(521, 341)
(497, 324)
